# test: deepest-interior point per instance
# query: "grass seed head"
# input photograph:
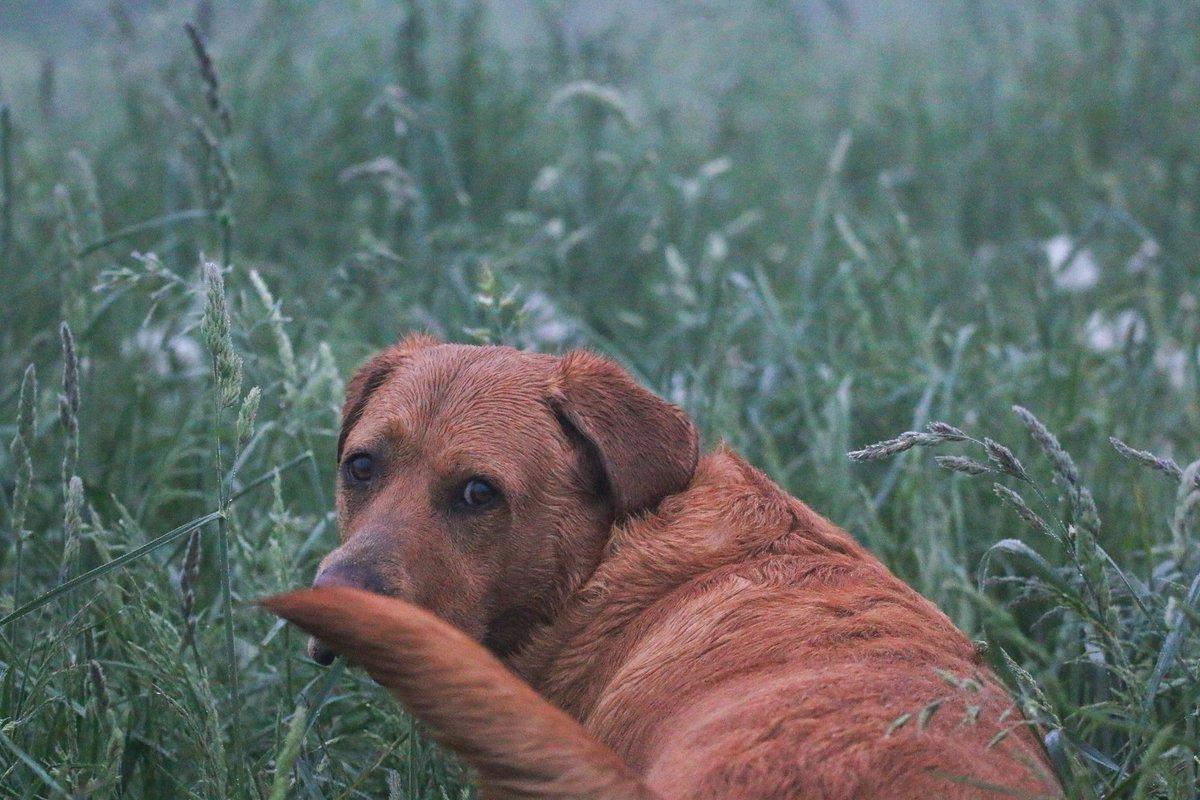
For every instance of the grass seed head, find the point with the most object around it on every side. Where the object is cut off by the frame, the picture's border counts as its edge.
(72, 527)
(898, 723)
(1005, 460)
(1064, 466)
(246, 417)
(891, 447)
(208, 74)
(187, 587)
(927, 713)
(21, 447)
(287, 355)
(951, 433)
(1022, 508)
(968, 466)
(218, 337)
(68, 403)
(96, 674)
(1166, 466)
(288, 753)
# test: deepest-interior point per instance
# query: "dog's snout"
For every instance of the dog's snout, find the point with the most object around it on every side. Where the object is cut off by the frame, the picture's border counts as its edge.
(356, 576)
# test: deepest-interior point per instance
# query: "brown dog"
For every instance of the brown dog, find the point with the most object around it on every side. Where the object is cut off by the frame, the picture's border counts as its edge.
(627, 620)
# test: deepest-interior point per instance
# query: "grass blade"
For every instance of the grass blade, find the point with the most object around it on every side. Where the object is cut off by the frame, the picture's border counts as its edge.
(1171, 646)
(37, 768)
(104, 569)
(1044, 570)
(142, 227)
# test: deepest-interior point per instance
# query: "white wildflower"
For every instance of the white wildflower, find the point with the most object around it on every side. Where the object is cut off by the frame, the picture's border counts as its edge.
(1104, 334)
(1073, 269)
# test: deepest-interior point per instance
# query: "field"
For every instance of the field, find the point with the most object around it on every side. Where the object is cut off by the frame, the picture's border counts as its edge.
(816, 225)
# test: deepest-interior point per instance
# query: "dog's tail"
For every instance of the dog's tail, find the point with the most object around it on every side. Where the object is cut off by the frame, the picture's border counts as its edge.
(521, 745)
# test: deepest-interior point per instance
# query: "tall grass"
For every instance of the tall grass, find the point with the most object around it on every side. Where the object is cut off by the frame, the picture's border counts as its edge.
(1119, 637)
(811, 224)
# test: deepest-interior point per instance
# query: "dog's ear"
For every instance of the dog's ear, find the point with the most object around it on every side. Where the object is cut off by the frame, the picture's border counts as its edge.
(373, 374)
(647, 447)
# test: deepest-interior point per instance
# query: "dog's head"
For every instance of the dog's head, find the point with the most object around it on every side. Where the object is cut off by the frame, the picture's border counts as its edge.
(481, 482)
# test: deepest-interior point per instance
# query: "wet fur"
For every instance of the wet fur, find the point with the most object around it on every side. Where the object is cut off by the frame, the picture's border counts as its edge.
(676, 628)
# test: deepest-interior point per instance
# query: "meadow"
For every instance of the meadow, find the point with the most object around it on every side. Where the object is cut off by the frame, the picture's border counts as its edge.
(966, 232)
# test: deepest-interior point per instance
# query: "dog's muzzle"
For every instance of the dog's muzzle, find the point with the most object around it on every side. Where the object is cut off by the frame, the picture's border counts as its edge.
(356, 577)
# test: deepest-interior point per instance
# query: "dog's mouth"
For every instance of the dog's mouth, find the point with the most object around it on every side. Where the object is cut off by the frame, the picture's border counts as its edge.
(320, 653)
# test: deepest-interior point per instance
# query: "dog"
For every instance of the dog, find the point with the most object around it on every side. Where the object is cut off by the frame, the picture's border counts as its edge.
(538, 564)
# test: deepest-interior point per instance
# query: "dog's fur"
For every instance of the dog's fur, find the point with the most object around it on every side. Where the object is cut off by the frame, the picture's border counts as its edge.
(630, 620)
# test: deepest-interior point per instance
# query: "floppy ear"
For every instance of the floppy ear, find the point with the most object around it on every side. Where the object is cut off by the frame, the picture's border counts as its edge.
(647, 447)
(373, 374)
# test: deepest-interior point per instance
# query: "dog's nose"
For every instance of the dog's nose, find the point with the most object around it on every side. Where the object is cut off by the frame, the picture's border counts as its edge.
(356, 576)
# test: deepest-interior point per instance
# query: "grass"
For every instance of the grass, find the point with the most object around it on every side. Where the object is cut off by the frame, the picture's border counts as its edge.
(813, 225)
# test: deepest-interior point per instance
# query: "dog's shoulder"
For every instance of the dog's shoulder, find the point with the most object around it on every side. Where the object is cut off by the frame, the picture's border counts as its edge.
(731, 528)
(735, 510)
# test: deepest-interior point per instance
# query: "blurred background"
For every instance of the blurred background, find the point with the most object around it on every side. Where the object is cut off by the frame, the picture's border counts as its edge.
(815, 224)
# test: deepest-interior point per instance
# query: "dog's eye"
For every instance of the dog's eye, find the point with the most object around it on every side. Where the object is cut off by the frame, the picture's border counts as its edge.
(358, 468)
(478, 494)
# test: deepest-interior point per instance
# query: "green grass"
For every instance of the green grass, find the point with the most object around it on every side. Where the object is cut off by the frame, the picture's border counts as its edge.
(814, 225)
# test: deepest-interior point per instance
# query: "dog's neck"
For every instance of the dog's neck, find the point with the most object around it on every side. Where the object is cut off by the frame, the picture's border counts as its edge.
(648, 557)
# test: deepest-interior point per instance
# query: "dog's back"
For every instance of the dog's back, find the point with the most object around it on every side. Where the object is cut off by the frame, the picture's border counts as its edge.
(736, 644)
